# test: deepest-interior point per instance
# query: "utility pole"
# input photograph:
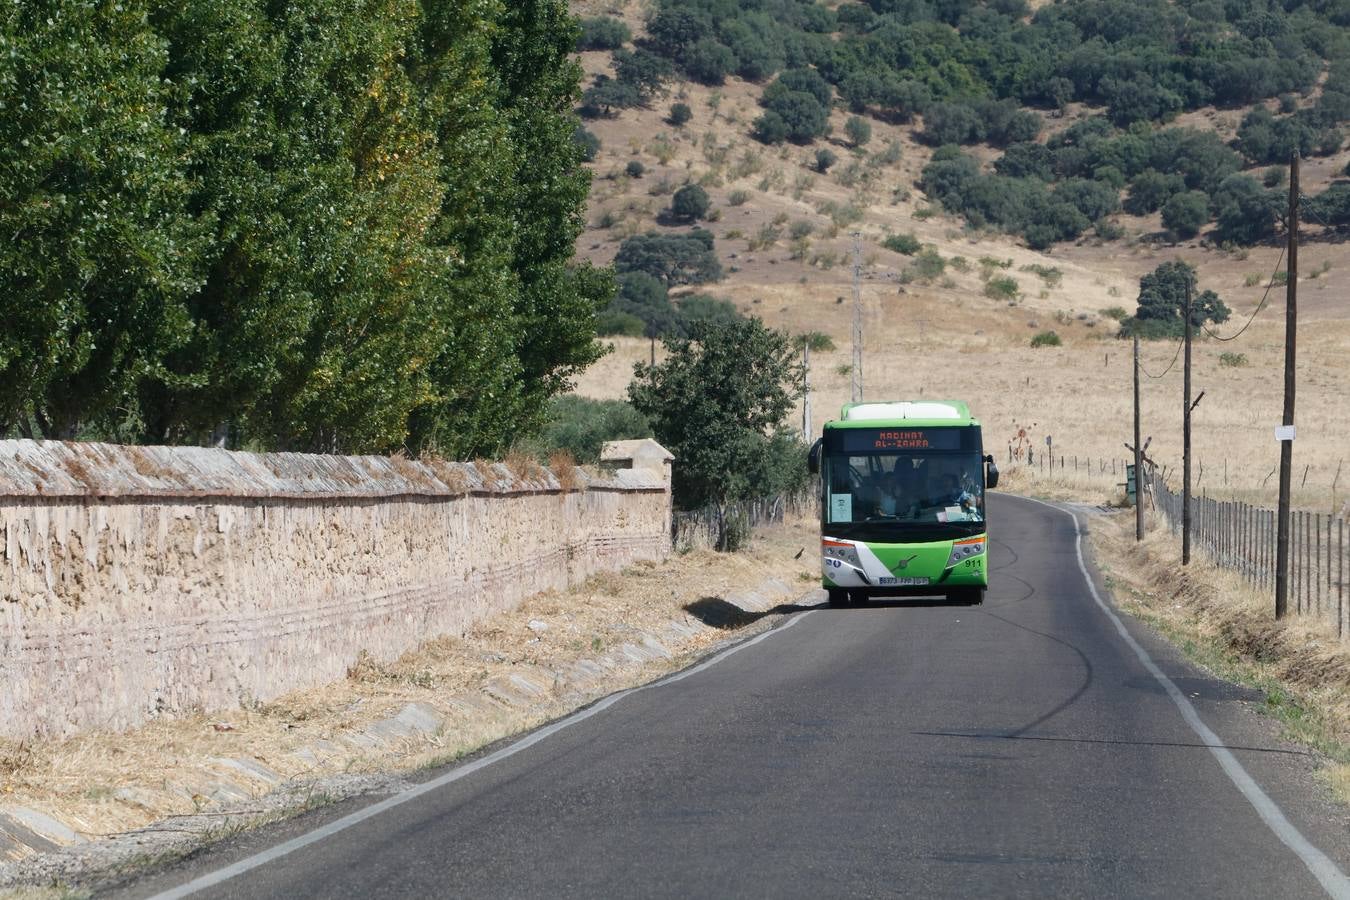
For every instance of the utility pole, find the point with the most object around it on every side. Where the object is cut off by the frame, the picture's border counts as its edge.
(1186, 438)
(1287, 438)
(806, 390)
(857, 319)
(1138, 455)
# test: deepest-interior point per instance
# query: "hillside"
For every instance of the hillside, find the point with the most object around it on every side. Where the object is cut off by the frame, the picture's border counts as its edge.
(934, 325)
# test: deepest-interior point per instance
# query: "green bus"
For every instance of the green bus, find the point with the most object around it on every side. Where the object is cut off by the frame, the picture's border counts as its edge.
(902, 488)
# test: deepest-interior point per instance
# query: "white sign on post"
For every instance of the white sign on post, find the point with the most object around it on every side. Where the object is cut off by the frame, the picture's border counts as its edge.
(1285, 432)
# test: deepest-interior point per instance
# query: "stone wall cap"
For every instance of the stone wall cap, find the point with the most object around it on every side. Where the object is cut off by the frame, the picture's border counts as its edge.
(644, 449)
(82, 469)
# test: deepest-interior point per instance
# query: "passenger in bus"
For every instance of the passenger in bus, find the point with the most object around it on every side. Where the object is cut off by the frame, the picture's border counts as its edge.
(894, 499)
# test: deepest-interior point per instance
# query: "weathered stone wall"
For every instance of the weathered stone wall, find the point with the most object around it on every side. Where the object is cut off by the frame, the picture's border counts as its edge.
(138, 582)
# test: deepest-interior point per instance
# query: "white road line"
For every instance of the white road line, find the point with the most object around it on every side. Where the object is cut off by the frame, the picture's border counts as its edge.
(273, 853)
(1332, 879)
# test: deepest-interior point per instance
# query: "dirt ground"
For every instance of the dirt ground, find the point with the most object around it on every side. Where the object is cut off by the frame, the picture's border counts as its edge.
(945, 337)
(501, 679)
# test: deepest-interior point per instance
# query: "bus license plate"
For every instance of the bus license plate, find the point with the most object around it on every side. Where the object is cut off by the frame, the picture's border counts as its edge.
(902, 582)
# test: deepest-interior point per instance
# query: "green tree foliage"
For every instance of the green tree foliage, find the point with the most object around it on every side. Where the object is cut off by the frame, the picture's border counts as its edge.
(708, 62)
(1150, 190)
(603, 33)
(671, 258)
(680, 114)
(581, 426)
(337, 225)
(690, 202)
(771, 128)
(1246, 210)
(825, 159)
(799, 99)
(859, 131)
(643, 70)
(701, 308)
(1186, 213)
(100, 248)
(605, 95)
(587, 142)
(1162, 304)
(720, 403)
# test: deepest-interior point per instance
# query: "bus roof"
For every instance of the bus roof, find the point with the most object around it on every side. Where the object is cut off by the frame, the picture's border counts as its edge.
(926, 413)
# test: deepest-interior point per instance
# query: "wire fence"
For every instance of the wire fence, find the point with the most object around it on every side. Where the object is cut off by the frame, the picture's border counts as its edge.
(1237, 535)
(1241, 537)
(727, 526)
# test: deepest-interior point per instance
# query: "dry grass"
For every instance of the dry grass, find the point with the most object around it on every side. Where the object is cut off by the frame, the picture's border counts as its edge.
(165, 763)
(1230, 628)
(947, 339)
(564, 468)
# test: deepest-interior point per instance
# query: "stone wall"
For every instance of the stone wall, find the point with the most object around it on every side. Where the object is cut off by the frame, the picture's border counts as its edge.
(139, 582)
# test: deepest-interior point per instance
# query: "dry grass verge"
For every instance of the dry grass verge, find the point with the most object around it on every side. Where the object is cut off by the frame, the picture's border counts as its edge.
(1220, 622)
(508, 675)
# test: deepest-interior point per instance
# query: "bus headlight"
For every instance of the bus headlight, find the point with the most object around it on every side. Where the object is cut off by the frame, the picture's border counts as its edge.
(846, 553)
(964, 550)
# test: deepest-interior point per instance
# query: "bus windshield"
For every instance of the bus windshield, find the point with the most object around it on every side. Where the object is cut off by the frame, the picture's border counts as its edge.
(904, 487)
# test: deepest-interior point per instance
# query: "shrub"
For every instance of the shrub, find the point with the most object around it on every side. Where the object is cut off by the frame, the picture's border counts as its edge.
(770, 128)
(1232, 360)
(1185, 214)
(824, 159)
(859, 131)
(1046, 339)
(800, 229)
(579, 425)
(818, 341)
(634, 169)
(1002, 287)
(706, 309)
(1115, 312)
(587, 142)
(738, 198)
(671, 258)
(680, 113)
(927, 265)
(907, 244)
(603, 33)
(611, 322)
(690, 202)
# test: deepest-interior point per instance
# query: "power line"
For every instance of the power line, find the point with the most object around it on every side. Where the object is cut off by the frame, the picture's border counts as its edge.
(1260, 306)
(1175, 356)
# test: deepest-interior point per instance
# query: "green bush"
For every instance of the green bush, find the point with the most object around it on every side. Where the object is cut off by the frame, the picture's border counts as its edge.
(1115, 312)
(1232, 360)
(680, 113)
(825, 158)
(579, 425)
(818, 341)
(690, 202)
(612, 323)
(1046, 339)
(927, 265)
(1002, 287)
(859, 131)
(1186, 213)
(634, 169)
(586, 142)
(907, 244)
(738, 198)
(603, 33)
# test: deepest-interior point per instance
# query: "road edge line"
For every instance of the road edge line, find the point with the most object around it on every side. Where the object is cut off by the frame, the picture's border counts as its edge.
(219, 876)
(1322, 867)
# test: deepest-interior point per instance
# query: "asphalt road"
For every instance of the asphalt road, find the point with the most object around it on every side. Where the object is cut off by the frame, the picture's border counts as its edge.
(1023, 748)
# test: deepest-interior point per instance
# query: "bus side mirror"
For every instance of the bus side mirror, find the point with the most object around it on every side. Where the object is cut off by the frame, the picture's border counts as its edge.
(813, 458)
(990, 473)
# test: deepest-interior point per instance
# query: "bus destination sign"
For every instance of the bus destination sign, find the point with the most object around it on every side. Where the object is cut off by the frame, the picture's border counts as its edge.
(890, 439)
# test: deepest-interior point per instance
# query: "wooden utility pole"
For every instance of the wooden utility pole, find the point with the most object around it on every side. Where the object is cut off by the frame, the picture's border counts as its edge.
(857, 319)
(1287, 439)
(806, 390)
(1138, 455)
(1186, 437)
